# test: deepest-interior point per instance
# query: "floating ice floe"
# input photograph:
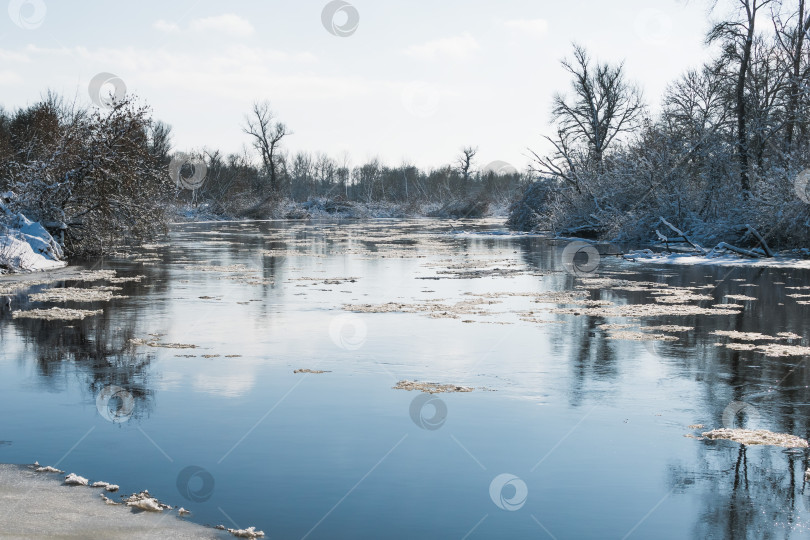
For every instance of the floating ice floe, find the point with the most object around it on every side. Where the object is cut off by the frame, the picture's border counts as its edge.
(76, 294)
(57, 314)
(74, 479)
(310, 371)
(430, 388)
(757, 436)
(159, 344)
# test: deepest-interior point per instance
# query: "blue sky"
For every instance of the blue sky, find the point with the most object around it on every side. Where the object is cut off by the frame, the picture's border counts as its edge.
(415, 82)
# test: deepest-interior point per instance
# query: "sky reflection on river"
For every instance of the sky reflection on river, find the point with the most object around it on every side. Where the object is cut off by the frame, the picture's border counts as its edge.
(592, 427)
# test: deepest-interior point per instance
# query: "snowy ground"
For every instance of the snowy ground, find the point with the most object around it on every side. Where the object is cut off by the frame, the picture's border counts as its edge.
(688, 259)
(40, 505)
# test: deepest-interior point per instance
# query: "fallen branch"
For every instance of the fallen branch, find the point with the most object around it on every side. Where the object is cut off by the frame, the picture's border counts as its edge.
(663, 239)
(735, 249)
(752, 231)
(682, 235)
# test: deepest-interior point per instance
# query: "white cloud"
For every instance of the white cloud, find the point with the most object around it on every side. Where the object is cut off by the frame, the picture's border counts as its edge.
(9, 78)
(452, 47)
(165, 26)
(227, 24)
(537, 27)
(13, 56)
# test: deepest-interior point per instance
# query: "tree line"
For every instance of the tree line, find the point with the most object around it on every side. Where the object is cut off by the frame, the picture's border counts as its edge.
(726, 149)
(103, 176)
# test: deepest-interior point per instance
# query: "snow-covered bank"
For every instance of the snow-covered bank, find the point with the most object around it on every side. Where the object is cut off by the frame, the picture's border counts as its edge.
(40, 505)
(25, 245)
(781, 260)
(322, 208)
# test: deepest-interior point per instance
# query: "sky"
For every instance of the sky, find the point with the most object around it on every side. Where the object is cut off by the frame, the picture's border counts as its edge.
(403, 81)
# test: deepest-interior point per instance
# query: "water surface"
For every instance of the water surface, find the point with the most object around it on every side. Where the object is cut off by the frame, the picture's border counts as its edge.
(592, 428)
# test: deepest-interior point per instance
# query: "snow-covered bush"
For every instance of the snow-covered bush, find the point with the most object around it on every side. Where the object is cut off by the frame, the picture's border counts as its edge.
(91, 175)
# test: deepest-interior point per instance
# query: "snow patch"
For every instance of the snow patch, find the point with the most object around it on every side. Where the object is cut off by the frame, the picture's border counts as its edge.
(687, 259)
(144, 501)
(47, 469)
(106, 485)
(25, 245)
(74, 479)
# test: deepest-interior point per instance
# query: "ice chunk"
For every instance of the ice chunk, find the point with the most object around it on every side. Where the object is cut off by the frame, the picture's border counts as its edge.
(757, 436)
(250, 532)
(47, 468)
(73, 479)
(144, 501)
(106, 485)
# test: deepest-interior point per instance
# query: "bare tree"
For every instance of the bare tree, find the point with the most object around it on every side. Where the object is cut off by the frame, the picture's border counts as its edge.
(603, 106)
(267, 134)
(737, 39)
(465, 160)
(790, 35)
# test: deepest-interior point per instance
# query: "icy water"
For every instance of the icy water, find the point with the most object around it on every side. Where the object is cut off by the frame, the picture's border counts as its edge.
(589, 430)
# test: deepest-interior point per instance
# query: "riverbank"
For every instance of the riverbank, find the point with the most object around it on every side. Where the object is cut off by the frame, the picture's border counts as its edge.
(324, 208)
(40, 505)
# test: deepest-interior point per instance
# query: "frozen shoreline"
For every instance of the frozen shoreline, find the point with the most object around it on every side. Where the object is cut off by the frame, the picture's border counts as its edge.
(40, 505)
(689, 259)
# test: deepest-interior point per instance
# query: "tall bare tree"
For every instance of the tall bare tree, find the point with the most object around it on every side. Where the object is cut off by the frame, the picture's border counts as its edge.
(790, 33)
(465, 160)
(737, 39)
(267, 134)
(603, 104)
